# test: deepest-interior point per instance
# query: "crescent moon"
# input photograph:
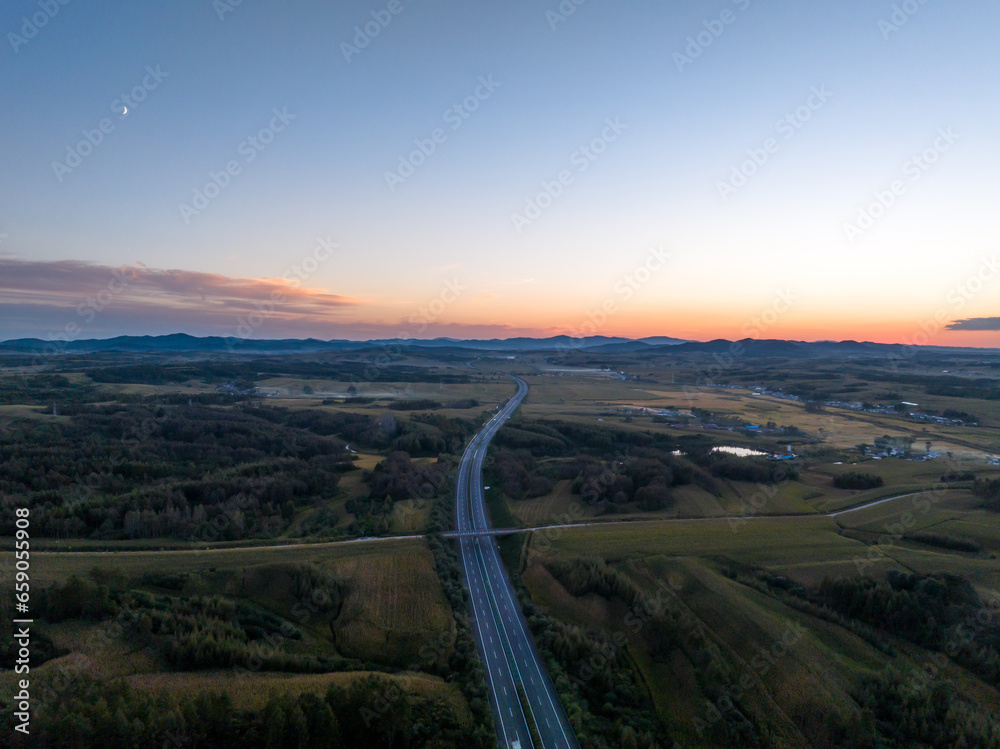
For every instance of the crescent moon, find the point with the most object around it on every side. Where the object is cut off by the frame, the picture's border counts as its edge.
(124, 110)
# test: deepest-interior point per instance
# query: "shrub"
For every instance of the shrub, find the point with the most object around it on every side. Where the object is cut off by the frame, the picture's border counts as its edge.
(854, 480)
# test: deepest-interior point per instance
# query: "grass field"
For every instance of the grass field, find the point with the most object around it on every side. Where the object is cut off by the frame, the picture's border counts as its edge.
(797, 673)
(588, 397)
(49, 567)
(393, 608)
(314, 391)
(922, 510)
(553, 508)
(787, 667)
(254, 693)
(978, 525)
(251, 691)
(792, 691)
(777, 660)
(762, 541)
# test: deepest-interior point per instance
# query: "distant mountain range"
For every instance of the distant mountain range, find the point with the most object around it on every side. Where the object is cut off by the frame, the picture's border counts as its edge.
(183, 343)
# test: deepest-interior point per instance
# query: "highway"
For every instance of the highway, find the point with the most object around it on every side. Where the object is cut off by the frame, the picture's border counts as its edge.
(506, 649)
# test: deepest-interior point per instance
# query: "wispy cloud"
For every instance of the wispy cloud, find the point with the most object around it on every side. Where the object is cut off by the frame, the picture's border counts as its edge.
(976, 323)
(71, 299)
(380, 329)
(56, 280)
(36, 294)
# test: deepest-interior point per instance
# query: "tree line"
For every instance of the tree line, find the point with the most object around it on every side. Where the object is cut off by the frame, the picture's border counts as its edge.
(371, 712)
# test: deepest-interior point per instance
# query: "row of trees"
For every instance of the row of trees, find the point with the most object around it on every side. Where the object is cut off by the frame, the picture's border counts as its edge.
(989, 490)
(855, 480)
(642, 469)
(901, 714)
(395, 479)
(422, 434)
(369, 713)
(517, 473)
(343, 370)
(44, 390)
(700, 450)
(940, 612)
(593, 672)
(195, 632)
(457, 661)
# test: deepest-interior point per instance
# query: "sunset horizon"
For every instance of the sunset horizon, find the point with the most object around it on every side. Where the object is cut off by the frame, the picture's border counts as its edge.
(571, 374)
(689, 181)
(138, 300)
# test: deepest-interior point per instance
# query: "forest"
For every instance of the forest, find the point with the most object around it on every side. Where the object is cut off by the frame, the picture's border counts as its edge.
(197, 472)
(371, 713)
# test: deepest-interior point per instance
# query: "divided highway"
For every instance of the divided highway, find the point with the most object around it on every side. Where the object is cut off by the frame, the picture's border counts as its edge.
(520, 687)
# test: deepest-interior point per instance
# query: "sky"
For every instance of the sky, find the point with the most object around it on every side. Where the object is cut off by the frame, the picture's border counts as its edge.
(405, 168)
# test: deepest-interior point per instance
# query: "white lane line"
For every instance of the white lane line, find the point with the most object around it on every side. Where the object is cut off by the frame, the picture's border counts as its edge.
(477, 451)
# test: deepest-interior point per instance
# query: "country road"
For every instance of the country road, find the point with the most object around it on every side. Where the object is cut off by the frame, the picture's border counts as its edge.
(521, 692)
(472, 532)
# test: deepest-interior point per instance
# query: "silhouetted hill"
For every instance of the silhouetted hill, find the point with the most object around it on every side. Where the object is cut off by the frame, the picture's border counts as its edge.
(181, 342)
(184, 343)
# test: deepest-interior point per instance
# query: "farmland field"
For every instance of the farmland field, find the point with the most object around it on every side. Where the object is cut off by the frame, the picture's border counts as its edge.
(222, 541)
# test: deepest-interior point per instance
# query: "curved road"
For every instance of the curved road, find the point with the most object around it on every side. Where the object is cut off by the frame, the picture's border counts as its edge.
(520, 688)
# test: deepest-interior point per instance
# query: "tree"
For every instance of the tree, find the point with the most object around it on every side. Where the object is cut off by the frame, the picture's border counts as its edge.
(855, 481)
(629, 739)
